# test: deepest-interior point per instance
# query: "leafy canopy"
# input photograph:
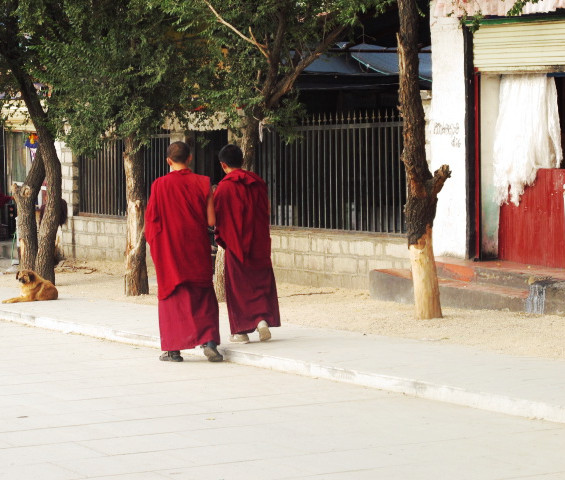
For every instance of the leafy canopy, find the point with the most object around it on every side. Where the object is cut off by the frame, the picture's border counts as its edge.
(19, 66)
(119, 68)
(266, 44)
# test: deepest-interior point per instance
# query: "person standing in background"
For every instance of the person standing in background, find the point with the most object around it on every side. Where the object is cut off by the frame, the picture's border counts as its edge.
(4, 199)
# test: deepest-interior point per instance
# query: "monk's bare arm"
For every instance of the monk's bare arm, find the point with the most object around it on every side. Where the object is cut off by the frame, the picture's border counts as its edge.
(210, 209)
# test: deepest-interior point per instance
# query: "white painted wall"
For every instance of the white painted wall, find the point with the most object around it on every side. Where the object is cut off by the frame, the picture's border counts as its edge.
(447, 132)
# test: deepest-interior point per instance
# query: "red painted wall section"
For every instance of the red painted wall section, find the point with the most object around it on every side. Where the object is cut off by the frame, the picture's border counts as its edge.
(534, 231)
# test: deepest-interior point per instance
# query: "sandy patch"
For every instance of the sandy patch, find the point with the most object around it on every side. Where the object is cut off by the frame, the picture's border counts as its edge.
(353, 310)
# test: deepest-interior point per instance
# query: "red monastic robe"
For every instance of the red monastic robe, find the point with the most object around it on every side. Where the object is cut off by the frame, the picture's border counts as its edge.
(241, 203)
(176, 228)
(4, 199)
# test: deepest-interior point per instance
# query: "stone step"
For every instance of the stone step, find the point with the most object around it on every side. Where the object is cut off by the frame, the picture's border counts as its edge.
(535, 294)
(396, 285)
(508, 274)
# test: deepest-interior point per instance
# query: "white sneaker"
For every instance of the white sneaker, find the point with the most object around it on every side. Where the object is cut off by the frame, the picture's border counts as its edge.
(264, 332)
(239, 338)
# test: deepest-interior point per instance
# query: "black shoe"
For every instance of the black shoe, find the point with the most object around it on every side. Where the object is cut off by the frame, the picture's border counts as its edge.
(173, 356)
(211, 352)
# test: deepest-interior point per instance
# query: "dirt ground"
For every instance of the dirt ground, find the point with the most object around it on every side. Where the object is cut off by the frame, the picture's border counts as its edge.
(341, 309)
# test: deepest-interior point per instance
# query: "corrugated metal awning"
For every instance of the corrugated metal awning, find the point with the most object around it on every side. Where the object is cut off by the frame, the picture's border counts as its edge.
(520, 47)
(366, 59)
(386, 63)
(340, 64)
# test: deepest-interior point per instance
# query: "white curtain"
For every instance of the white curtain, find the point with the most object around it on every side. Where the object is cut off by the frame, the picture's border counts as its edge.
(527, 136)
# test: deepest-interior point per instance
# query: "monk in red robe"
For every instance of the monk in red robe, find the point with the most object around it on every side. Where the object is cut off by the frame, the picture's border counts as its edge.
(242, 210)
(176, 227)
(4, 199)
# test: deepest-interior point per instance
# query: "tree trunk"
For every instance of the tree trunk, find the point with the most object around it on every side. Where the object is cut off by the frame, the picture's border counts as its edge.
(25, 197)
(424, 278)
(422, 186)
(136, 282)
(45, 260)
(248, 142)
(219, 275)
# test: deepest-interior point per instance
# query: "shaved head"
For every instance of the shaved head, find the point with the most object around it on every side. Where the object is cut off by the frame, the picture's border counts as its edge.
(178, 152)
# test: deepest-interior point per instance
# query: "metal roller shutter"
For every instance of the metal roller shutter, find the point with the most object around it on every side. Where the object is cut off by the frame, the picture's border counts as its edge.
(520, 47)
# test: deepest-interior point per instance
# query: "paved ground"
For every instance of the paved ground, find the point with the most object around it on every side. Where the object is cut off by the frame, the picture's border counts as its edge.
(74, 407)
(528, 387)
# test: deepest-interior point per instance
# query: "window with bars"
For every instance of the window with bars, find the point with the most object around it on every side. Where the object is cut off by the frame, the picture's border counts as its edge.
(102, 181)
(102, 186)
(343, 173)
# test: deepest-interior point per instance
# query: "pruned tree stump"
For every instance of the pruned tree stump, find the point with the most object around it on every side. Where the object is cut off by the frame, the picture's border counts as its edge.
(219, 275)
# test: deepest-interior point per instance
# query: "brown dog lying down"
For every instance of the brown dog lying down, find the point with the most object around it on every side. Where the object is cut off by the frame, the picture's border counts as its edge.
(34, 287)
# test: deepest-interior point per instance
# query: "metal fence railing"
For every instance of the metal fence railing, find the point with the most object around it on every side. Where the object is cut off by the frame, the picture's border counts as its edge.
(344, 173)
(102, 186)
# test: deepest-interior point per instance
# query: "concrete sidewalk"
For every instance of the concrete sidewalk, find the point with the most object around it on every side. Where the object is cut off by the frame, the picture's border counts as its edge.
(526, 387)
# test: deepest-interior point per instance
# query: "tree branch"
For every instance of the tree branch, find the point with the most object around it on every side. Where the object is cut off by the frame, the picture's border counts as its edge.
(286, 83)
(440, 176)
(252, 40)
(275, 52)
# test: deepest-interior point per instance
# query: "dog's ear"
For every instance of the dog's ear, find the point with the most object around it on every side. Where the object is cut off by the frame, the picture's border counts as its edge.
(18, 275)
(31, 276)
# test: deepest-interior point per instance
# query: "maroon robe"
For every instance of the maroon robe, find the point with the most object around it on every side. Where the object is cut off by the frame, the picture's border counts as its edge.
(241, 203)
(176, 228)
(4, 199)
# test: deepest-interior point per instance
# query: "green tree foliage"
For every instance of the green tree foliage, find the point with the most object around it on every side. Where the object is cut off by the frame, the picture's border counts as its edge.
(266, 45)
(472, 17)
(20, 34)
(119, 69)
(16, 44)
(20, 67)
(518, 6)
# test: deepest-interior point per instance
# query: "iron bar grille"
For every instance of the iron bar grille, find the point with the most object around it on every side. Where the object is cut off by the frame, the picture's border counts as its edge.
(3, 164)
(102, 186)
(343, 173)
(102, 181)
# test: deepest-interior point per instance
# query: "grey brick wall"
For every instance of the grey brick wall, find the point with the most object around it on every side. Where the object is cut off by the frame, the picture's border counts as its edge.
(337, 259)
(307, 257)
(94, 238)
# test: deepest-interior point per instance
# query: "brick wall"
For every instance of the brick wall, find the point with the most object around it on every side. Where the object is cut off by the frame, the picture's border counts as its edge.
(304, 257)
(339, 259)
(307, 257)
(94, 238)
